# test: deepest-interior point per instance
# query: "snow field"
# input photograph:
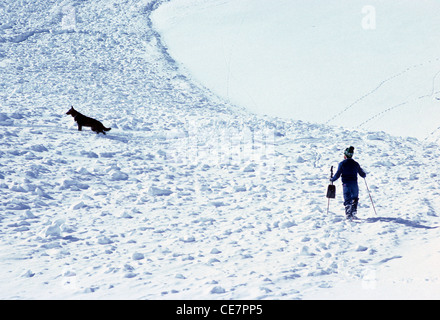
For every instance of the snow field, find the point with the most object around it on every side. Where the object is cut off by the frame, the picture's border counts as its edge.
(187, 197)
(364, 66)
(122, 219)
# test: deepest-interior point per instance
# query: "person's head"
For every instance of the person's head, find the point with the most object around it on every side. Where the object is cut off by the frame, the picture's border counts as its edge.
(348, 153)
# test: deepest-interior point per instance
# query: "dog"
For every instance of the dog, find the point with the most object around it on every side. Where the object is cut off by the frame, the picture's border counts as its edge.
(84, 121)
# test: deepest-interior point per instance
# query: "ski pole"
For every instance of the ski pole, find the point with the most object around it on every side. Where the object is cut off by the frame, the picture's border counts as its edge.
(328, 205)
(370, 196)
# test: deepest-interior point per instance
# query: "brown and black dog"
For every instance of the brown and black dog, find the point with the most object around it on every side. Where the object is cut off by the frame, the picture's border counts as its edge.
(84, 121)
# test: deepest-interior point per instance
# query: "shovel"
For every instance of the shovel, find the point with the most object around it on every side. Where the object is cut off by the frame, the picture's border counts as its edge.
(331, 190)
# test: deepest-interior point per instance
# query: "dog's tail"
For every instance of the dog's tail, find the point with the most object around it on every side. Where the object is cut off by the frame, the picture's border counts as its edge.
(107, 129)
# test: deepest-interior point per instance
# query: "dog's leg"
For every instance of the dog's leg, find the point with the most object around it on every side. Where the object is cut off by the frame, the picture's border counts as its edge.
(79, 127)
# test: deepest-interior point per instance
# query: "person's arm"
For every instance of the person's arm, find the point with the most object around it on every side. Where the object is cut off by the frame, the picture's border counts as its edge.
(337, 174)
(362, 172)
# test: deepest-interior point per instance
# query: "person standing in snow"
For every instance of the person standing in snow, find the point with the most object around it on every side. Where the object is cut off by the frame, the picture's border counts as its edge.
(349, 169)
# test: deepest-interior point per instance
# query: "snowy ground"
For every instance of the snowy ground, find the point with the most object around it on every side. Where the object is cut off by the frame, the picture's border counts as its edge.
(187, 197)
(363, 65)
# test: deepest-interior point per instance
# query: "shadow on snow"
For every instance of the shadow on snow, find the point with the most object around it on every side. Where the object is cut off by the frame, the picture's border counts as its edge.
(407, 223)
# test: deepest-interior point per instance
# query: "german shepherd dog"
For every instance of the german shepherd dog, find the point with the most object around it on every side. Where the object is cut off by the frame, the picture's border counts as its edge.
(84, 121)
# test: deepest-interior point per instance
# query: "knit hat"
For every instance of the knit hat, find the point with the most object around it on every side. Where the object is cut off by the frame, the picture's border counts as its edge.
(349, 152)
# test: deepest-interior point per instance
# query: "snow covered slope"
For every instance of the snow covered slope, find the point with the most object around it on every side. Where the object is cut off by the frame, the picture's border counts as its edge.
(187, 197)
(362, 65)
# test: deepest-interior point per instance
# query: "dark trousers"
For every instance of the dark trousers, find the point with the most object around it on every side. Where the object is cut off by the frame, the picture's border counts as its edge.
(351, 193)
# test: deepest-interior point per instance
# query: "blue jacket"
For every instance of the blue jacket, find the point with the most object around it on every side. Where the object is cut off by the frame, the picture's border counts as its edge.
(349, 170)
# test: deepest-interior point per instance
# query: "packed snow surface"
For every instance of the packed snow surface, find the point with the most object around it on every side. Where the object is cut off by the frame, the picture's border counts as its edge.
(362, 65)
(188, 196)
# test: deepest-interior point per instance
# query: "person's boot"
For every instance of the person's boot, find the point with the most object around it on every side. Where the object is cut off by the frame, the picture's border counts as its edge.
(354, 209)
(348, 211)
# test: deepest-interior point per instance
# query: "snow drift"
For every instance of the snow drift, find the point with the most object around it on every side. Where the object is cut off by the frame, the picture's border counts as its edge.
(370, 66)
(188, 197)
